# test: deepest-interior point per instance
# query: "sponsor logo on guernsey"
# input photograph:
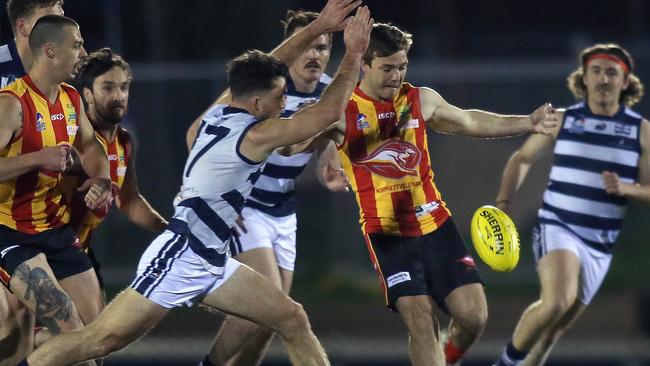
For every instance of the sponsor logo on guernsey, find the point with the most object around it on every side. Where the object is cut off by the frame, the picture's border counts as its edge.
(362, 123)
(57, 117)
(393, 159)
(414, 123)
(307, 103)
(621, 129)
(112, 157)
(72, 130)
(40, 123)
(426, 208)
(385, 115)
(398, 278)
(121, 171)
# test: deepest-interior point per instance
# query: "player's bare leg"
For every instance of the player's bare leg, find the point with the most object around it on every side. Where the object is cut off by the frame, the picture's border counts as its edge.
(543, 347)
(16, 329)
(85, 293)
(249, 295)
(255, 349)
(257, 337)
(468, 309)
(559, 273)
(117, 326)
(34, 285)
(424, 330)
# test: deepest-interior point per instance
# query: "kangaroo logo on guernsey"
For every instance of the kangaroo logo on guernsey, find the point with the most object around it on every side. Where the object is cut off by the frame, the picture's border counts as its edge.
(393, 159)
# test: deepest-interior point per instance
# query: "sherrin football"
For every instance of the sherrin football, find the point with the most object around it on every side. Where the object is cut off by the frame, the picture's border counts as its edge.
(495, 238)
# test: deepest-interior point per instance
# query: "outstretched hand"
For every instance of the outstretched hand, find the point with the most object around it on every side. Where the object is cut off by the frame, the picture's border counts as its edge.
(544, 119)
(357, 32)
(334, 16)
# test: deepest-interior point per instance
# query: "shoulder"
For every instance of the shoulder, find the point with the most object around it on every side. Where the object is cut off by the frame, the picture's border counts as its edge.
(69, 88)
(10, 102)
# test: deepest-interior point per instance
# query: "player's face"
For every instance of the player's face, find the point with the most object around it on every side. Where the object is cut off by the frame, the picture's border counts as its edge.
(271, 103)
(110, 95)
(56, 9)
(384, 76)
(313, 62)
(70, 51)
(605, 80)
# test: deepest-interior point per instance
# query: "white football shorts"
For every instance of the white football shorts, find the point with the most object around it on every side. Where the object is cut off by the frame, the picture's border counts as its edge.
(594, 264)
(172, 275)
(266, 231)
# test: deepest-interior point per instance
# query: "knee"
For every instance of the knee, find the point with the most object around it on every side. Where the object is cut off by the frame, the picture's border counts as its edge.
(418, 317)
(555, 308)
(293, 320)
(472, 322)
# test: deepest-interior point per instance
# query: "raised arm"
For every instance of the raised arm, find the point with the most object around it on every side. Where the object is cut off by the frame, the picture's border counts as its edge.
(276, 132)
(49, 158)
(444, 117)
(638, 191)
(519, 164)
(134, 205)
(332, 18)
(94, 163)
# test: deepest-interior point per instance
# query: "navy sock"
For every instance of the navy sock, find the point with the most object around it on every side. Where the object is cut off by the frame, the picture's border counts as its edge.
(511, 356)
(514, 353)
(205, 362)
(23, 363)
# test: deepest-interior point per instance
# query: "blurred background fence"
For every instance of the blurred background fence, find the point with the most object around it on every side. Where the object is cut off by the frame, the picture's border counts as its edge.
(503, 56)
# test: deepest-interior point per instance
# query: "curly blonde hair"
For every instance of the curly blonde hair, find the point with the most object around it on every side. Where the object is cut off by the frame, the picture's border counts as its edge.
(630, 96)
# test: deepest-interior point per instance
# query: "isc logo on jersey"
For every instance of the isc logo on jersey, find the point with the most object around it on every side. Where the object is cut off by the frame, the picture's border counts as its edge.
(57, 117)
(495, 238)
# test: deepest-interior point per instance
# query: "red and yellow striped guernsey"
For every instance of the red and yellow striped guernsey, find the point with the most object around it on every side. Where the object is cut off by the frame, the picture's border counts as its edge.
(33, 202)
(82, 219)
(385, 156)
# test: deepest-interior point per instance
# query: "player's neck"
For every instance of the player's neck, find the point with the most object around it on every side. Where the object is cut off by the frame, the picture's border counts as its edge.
(24, 52)
(367, 90)
(41, 76)
(302, 85)
(106, 129)
(602, 108)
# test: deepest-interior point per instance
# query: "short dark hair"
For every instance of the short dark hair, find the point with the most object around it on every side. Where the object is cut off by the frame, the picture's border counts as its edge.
(98, 63)
(253, 72)
(24, 8)
(634, 91)
(297, 19)
(385, 40)
(49, 28)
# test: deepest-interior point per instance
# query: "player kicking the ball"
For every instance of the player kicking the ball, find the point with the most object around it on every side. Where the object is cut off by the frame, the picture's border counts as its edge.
(413, 243)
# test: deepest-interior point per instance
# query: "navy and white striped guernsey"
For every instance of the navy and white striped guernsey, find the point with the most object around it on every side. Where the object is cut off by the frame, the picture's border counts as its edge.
(11, 68)
(588, 144)
(274, 191)
(216, 179)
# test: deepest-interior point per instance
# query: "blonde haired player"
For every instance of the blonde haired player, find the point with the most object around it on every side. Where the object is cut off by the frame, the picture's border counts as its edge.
(601, 159)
